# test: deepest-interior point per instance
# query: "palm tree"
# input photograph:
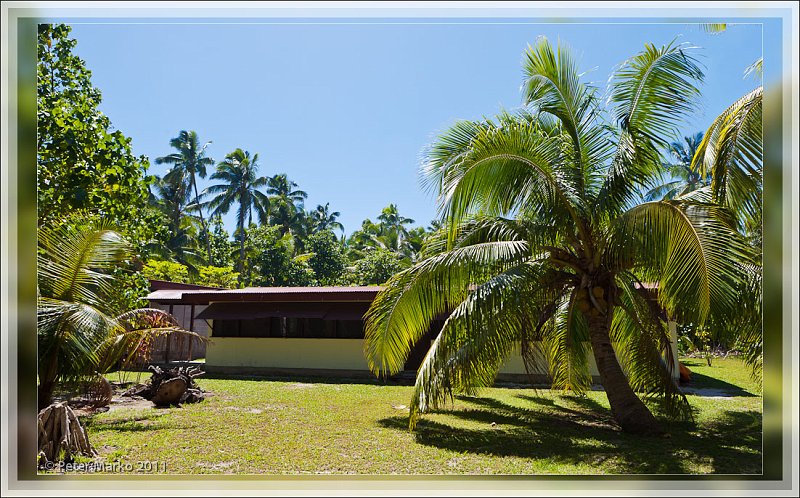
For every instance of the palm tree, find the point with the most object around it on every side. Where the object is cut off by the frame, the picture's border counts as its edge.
(732, 153)
(171, 201)
(188, 163)
(546, 246)
(392, 221)
(240, 183)
(323, 219)
(683, 178)
(286, 202)
(77, 338)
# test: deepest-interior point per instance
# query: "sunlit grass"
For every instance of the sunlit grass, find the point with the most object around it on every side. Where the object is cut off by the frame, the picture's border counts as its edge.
(308, 426)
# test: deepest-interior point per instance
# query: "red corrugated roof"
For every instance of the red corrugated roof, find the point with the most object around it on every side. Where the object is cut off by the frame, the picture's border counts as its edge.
(274, 294)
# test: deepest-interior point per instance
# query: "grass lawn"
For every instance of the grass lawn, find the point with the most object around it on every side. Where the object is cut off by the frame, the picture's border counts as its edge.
(309, 426)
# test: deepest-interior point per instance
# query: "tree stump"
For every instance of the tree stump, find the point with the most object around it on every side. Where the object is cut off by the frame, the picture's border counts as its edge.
(169, 392)
(170, 387)
(61, 435)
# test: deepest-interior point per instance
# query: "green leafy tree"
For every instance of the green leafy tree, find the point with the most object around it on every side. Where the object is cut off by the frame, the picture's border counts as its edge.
(375, 268)
(390, 233)
(166, 270)
(272, 259)
(188, 163)
(215, 276)
(177, 240)
(221, 246)
(546, 245)
(81, 163)
(327, 258)
(240, 183)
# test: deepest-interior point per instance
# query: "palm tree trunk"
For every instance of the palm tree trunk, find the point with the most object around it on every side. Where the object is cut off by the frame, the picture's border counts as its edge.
(628, 410)
(47, 380)
(202, 222)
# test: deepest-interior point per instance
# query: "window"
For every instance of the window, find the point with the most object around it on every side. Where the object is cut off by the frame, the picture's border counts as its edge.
(305, 328)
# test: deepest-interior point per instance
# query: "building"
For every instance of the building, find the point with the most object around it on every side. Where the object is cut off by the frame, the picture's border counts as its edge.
(289, 330)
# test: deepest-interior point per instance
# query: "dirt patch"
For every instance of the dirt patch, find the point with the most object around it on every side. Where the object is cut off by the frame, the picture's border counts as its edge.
(300, 385)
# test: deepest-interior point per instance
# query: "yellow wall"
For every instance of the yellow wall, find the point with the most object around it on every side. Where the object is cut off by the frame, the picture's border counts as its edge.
(277, 352)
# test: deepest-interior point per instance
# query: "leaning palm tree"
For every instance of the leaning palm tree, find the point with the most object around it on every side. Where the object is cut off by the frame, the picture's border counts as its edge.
(240, 183)
(546, 247)
(188, 163)
(77, 338)
(681, 178)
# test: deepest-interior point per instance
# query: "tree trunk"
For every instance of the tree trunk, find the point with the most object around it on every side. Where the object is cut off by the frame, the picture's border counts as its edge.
(628, 410)
(47, 379)
(202, 222)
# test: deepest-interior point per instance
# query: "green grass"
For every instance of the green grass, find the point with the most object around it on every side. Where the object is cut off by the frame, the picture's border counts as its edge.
(304, 426)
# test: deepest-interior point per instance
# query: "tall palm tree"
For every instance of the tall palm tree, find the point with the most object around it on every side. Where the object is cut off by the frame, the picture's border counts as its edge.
(683, 179)
(77, 338)
(323, 219)
(547, 247)
(286, 202)
(188, 163)
(240, 183)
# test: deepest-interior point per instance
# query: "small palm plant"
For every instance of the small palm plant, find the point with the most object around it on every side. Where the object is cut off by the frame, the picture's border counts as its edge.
(547, 243)
(77, 338)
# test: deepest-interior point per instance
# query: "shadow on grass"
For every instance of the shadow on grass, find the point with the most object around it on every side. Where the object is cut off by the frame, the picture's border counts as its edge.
(702, 382)
(561, 435)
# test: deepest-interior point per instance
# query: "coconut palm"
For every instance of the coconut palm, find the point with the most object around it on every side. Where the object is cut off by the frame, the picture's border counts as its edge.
(683, 179)
(188, 163)
(394, 223)
(76, 336)
(323, 219)
(170, 200)
(240, 183)
(286, 203)
(546, 246)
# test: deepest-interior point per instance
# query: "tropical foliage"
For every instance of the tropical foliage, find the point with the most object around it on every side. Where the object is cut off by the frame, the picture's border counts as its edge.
(188, 163)
(546, 245)
(77, 335)
(678, 175)
(81, 163)
(732, 154)
(238, 173)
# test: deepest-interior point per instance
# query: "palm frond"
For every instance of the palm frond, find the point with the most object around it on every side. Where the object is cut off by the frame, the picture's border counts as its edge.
(403, 310)
(689, 249)
(479, 335)
(565, 344)
(732, 153)
(651, 94)
(643, 346)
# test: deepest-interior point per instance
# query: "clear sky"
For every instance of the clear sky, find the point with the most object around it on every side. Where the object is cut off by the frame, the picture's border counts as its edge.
(345, 109)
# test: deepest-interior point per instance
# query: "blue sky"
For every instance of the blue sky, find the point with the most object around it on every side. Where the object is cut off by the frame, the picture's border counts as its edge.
(346, 109)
